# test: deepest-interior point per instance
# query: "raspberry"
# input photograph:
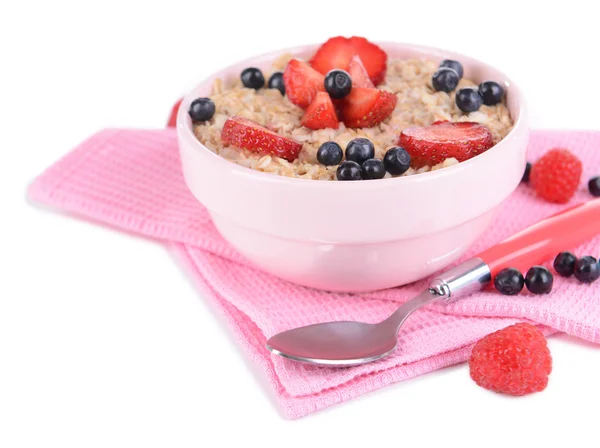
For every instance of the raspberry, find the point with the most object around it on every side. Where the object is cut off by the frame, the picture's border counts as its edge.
(555, 177)
(513, 361)
(172, 122)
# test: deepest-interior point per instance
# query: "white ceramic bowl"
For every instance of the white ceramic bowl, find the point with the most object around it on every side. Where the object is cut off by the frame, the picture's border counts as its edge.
(356, 236)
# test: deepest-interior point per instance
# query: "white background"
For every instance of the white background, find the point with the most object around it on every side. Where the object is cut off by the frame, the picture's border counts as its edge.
(103, 340)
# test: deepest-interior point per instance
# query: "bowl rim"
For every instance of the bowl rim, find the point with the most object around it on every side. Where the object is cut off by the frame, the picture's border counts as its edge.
(185, 127)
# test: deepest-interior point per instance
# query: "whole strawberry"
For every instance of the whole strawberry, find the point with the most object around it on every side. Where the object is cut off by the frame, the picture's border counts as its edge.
(555, 177)
(513, 361)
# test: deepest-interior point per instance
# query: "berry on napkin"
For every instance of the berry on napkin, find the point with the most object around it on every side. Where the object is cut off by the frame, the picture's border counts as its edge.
(513, 361)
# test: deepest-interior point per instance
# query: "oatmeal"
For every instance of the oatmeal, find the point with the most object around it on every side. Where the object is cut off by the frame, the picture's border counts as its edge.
(418, 104)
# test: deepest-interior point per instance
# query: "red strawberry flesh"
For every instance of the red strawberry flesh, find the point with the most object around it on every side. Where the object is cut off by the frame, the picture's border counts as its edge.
(373, 58)
(248, 134)
(321, 113)
(302, 83)
(358, 73)
(430, 145)
(335, 53)
(365, 108)
(338, 51)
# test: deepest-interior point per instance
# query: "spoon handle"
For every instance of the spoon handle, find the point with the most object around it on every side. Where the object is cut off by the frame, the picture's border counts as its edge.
(536, 244)
(545, 239)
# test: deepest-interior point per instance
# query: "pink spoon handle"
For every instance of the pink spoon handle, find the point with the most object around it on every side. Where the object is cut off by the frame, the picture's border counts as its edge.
(545, 239)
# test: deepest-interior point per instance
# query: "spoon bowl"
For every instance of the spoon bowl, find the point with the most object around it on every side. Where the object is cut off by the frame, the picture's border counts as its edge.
(346, 343)
(342, 343)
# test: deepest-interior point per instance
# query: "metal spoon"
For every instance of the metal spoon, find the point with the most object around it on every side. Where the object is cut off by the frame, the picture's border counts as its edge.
(348, 343)
(351, 343)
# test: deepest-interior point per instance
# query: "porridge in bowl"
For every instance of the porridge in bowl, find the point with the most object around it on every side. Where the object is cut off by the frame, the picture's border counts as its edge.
(350, 113)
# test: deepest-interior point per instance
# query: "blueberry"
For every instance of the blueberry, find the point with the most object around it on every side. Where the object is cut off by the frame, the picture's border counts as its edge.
(445, 79)
(594, 186)
(349, 170)
(587, 269)
(457, 66)
(202, 109)
(468, 99)
(491, 92)
(338, 83)
(276, 82)
(396, 160)
(527, 173)
(373, 169)
(539, 280)
(564, 264)
(509, 281)
(253, 78)
(330, 153)
(359, 150)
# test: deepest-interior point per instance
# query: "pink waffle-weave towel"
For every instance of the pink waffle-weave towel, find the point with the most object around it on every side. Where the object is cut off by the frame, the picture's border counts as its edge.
(131, 179)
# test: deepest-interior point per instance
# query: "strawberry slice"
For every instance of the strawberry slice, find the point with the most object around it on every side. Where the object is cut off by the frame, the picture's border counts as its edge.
(335, 53)
(358, 73)
(338, 51)
(172, 122)
(302, 82)
(248, 134)
(321, 113)
(431, 145)
(365, 108)
(372, 56)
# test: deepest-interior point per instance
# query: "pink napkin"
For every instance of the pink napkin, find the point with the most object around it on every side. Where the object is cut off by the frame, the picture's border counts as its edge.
(131, 179)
